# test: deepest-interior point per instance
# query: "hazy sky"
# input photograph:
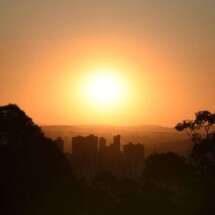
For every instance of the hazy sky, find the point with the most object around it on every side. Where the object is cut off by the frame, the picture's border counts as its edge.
(165, 48)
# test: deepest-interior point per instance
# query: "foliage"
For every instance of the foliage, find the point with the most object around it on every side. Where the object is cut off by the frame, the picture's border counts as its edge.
(204, 122)
(34, 173)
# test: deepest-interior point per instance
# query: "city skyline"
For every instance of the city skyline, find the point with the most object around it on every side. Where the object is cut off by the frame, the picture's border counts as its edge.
(91, 155)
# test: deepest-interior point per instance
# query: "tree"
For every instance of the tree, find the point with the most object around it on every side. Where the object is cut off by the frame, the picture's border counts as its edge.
(16, 127)
(166, 169)
(201, 131)
(205, 120)
(199, 128)
(33, 170)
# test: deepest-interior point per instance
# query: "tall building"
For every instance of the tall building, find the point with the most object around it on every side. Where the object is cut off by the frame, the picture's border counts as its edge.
(85, 155)
(134, 157)
(115, 156)
(102, 155)
(115, 146)
(77, 145)
(60, 144)
(102, 144)
(116, 142)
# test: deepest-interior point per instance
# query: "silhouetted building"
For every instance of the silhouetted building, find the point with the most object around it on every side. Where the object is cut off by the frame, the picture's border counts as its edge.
(115, 156)
(91, 155)
(102, 154)
(134, 157)
(85, 155)
(60, 143)
(102, 144)
(116, 143)
(114, 148)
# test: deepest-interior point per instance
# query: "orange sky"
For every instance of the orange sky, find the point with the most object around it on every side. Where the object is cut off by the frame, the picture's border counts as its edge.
(164, 52)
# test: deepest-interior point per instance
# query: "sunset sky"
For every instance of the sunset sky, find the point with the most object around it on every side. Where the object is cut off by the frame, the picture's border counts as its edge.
(161, 53)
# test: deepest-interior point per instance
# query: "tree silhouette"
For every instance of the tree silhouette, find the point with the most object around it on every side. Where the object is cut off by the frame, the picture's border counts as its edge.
(166, 169)
(199, 128)
(190, 127)
(205, 120)
(34, 171)
(16, 127)
(201, 131)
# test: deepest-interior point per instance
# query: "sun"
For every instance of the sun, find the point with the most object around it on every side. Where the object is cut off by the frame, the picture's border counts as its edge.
(104, 89)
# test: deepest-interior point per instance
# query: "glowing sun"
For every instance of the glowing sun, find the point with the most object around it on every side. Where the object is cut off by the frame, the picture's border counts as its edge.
(104, 88)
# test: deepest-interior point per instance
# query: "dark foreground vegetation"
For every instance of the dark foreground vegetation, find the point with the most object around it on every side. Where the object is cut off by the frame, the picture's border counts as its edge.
(37, 179)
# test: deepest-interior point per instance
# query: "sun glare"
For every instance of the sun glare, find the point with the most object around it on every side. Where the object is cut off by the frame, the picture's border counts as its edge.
(104, 89)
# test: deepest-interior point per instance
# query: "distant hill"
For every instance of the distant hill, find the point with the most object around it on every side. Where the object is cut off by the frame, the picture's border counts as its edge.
(155, 138)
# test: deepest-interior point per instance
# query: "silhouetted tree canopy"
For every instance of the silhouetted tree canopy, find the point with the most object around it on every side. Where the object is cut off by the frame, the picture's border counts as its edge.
(16, 127)
(33, 170)
(203, 122)
(202, 133)
(166, 169)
